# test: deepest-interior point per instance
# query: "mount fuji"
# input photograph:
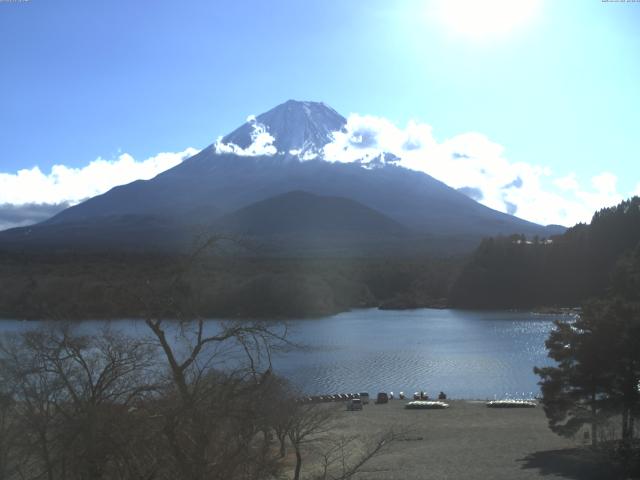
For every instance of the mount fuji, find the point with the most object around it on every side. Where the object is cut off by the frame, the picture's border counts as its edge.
(270, 181)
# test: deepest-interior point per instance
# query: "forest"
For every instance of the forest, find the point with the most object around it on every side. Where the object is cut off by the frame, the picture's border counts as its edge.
(503, 272)
(77, 286)
(515, 272)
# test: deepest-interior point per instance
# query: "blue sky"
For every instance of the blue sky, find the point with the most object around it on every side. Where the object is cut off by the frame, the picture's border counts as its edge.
(132, 78)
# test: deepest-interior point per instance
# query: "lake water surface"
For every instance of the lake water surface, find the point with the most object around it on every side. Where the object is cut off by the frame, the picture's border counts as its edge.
(467, 354)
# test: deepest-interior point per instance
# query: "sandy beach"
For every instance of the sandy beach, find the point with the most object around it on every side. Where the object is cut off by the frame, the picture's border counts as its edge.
(469, 441)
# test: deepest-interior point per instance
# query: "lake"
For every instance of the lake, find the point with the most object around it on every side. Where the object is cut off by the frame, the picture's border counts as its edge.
(467, 354)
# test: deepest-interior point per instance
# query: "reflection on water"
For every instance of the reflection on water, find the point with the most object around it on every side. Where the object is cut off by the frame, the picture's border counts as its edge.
(467, 354)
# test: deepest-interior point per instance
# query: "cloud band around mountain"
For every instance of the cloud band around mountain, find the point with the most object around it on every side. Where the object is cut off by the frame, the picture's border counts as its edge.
(476, 166)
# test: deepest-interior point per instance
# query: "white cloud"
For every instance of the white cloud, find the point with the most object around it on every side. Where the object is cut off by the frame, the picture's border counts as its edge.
(72, 185)
(567, 183)
(473, 163)
(365, 137)
(605, 183)
(261, 142)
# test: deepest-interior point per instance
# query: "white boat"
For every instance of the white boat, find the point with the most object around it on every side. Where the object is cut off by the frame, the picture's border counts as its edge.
(511, 404)
(426, 405)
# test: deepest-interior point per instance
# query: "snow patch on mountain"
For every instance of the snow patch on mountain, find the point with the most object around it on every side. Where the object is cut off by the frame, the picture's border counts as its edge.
(261, 142)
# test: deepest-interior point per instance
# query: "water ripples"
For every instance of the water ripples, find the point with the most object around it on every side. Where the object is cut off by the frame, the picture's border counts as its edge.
(466, 354)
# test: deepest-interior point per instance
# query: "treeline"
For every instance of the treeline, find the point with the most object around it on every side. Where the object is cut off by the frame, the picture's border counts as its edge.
(78, 286)
(515, 272)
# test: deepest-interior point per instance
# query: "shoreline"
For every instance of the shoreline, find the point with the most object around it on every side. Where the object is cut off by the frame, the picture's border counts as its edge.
(536, 311)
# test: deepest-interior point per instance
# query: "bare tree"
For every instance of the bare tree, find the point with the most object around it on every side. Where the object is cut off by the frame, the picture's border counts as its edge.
(73, 397)
(217, 375)
(337, 457)
(217, 381)
(308, 423)
(8, 433)
(345, 456)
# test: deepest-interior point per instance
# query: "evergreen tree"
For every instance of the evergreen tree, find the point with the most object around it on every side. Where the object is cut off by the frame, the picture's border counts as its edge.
(598, 369)
(575, 392)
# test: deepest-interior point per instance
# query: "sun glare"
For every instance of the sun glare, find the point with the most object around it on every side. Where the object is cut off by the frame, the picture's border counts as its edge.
(485, 18)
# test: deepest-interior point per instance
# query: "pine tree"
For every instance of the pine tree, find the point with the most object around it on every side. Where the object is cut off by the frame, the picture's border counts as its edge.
(598, 369)
(575, 393)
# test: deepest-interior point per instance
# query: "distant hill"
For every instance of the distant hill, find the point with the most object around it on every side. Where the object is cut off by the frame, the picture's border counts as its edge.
(164, 212)
(300, 221)
(306, 214)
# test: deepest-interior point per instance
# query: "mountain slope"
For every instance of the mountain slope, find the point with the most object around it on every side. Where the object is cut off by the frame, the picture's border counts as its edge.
(227, 182)
(126, 232)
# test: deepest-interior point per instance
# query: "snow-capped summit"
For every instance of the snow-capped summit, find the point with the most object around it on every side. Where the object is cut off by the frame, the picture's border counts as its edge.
(293, 128)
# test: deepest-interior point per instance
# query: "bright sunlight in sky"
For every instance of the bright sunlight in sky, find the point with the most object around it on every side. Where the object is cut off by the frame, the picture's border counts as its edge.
(480, 19)
(531, 107)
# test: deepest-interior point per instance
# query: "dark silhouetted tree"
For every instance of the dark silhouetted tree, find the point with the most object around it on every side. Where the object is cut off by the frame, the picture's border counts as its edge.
(598, 360)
